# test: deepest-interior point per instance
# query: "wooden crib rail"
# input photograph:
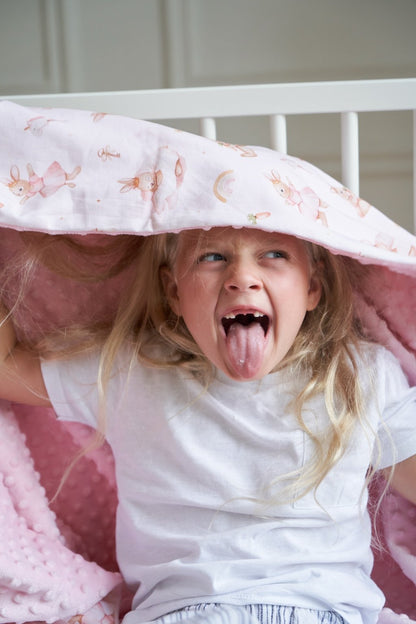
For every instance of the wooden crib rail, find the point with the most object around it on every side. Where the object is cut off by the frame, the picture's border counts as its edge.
(276, 101)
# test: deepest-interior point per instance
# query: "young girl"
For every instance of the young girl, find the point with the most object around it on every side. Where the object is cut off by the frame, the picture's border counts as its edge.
(245, 407)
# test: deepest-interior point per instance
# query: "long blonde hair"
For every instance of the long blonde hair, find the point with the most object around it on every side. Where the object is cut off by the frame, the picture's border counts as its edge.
(325, 351)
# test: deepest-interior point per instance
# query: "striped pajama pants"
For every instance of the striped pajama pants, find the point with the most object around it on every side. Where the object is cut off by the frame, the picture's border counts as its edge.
(213, 613)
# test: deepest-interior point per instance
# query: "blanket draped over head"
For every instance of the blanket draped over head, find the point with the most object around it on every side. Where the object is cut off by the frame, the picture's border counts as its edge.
(79, 173)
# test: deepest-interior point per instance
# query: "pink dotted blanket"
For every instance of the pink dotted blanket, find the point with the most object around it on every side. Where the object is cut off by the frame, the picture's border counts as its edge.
(89, 176)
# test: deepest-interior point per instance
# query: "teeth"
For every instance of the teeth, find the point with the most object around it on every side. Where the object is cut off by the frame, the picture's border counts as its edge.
(255, 314)
(246, 319)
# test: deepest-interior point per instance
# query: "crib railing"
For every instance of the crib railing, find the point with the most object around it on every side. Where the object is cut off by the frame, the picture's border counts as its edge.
(276, 101)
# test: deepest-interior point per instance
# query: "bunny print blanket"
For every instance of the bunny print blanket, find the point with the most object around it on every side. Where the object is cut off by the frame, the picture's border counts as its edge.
(93, 176)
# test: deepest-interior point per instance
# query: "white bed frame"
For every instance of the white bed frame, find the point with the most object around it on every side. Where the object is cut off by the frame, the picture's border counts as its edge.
(277, 101)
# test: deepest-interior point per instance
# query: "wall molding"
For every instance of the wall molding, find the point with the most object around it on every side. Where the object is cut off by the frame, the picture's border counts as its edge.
(45, 44)
(73, 66)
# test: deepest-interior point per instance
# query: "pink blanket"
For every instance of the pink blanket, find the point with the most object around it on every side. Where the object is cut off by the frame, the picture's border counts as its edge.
(81, 173)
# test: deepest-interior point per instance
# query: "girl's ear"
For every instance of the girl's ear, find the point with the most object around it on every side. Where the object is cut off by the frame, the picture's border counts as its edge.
(315, 291)
(170, 288)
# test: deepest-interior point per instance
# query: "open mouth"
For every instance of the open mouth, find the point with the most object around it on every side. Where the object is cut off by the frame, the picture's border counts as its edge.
(246, 319)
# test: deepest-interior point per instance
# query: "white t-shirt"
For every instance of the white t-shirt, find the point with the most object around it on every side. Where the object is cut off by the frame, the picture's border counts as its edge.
(191, 465)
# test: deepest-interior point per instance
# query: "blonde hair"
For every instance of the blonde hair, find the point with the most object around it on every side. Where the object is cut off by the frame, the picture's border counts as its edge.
(325, 351)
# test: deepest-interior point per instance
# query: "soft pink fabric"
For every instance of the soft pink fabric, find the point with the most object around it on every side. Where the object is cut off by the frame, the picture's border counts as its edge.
(78, 172)
(47, 559)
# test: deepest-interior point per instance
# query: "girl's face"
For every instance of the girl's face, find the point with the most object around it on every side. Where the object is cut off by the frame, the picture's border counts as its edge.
(243, 295)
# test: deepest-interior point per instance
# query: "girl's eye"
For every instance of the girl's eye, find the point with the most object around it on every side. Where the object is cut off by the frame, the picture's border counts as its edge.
(276, 254)
(211, 257)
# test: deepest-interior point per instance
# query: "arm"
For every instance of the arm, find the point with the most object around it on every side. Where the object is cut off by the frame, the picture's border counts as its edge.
(404, 478)
(21, 378)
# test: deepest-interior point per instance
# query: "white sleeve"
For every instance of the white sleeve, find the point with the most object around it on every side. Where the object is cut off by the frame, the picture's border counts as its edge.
(397, 400)
(72, 388)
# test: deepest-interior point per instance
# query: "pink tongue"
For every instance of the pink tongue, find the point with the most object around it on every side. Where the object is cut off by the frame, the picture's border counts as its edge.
(246, 344)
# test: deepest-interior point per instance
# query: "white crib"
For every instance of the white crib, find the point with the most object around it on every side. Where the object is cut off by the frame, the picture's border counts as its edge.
(276, 101)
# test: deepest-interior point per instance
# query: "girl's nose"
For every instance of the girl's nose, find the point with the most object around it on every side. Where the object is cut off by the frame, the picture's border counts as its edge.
(242, 277)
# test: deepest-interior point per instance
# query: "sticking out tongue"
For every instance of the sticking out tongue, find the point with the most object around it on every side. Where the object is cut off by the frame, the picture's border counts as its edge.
(245, 345)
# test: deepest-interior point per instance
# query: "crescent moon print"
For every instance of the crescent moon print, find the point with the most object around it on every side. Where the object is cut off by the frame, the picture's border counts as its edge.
(223, 186)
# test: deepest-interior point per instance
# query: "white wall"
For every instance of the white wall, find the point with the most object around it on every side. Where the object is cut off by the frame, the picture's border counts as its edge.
(79, 45)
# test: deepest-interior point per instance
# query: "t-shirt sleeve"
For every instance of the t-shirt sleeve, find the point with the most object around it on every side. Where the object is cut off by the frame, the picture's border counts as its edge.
(72, 388)
(397, 429)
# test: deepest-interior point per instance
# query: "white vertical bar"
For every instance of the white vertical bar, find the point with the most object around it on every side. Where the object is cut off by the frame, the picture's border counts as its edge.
(414, 171)
(208, 128)
(350, 152)
(278, 133)
(54, 43)
(173, 20)
(74, 63)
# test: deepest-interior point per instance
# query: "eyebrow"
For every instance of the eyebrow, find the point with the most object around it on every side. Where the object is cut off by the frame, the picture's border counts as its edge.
(203, 239)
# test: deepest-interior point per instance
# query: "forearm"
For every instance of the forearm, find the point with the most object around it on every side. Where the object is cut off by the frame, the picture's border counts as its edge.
(21, 378)
(404, 478)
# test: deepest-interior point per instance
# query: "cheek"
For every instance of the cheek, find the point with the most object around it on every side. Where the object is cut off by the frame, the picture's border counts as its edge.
(189, 298)
(295, 300)
(193, 287)
(196, 304)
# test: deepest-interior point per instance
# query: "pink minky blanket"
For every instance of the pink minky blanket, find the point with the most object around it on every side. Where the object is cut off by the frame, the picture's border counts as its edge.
(94, 175)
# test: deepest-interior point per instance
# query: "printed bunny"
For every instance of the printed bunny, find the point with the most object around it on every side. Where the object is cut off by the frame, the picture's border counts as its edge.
(52, 180)
(147, 182)
(307, 201)
(161, 188)
(362, 207)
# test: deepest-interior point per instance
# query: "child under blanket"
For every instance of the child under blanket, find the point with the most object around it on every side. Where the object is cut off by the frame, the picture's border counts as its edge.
(254, 377)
